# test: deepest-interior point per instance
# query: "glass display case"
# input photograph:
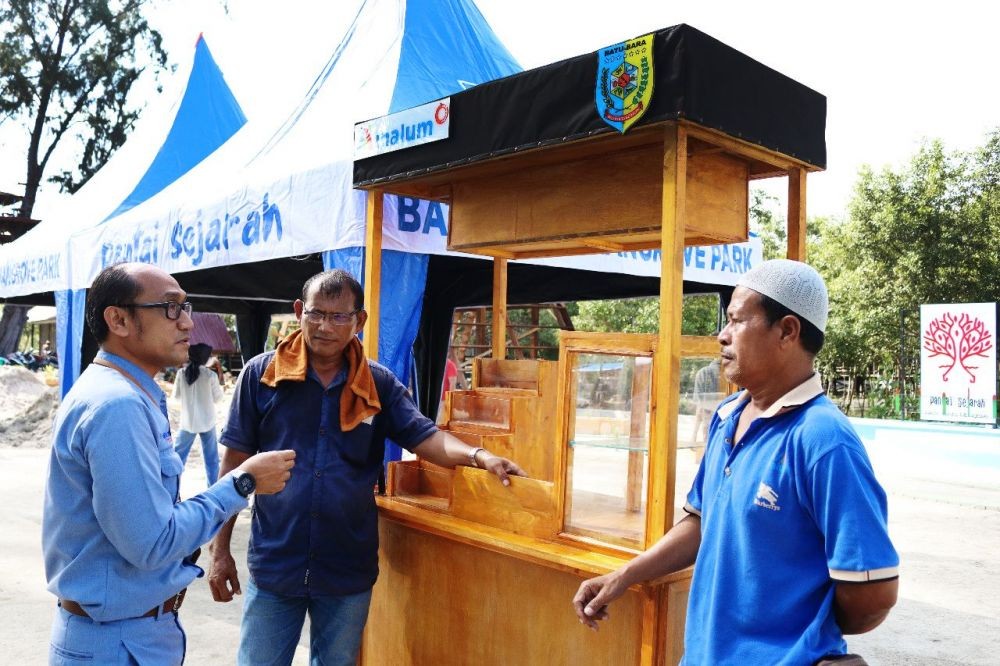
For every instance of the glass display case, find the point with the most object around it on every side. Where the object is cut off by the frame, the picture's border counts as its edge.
(607, 436)
(702, 387)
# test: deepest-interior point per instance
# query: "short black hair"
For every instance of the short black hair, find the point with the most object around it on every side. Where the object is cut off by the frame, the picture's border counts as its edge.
(112, 286)
(811, 337)
(332, 283)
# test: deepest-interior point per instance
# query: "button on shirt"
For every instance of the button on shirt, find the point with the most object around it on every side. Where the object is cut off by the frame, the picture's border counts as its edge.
(786, 513)
(114, 536)
(320, 534)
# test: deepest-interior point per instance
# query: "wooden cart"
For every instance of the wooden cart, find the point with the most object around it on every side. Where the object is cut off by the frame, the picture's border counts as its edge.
(475, 573)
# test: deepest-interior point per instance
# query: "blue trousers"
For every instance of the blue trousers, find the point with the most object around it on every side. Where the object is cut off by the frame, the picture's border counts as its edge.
(158, 641)
(209, 450)
(272, 624)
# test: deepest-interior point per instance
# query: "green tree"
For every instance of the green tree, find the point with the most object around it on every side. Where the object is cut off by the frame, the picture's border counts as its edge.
(67, 69)
(769, 226)
(700, 315)
(922, 233)
(628, 315)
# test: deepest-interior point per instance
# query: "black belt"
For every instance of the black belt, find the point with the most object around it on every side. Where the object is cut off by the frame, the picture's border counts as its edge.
(171, 605)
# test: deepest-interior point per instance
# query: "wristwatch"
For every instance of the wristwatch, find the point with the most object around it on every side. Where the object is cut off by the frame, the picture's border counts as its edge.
(245, 483)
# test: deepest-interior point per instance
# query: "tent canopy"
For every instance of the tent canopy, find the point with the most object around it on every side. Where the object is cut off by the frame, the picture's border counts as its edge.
(242, 226)
(200, 115)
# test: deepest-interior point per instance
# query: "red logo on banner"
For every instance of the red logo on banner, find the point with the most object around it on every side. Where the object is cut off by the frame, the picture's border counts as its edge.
(441, 113)
(959, 338)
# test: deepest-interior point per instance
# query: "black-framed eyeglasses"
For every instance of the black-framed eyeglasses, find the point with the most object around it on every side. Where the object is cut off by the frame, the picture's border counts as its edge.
(172, 309)
(339, 318)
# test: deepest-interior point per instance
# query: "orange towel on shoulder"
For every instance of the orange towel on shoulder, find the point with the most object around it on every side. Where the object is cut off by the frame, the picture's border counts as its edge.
(359, 399)
(290, 362)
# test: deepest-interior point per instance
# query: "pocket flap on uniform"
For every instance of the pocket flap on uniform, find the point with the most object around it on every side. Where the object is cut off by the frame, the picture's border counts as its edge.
(170, 462)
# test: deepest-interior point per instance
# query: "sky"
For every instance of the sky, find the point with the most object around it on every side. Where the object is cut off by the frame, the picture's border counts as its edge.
(894, 73)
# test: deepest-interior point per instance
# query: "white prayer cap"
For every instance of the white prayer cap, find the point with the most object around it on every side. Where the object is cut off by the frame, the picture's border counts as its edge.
(795, 285)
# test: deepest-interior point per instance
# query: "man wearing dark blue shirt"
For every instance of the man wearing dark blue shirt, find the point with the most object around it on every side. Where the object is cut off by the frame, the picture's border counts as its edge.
(786, 523)
(115, 537)
(314, 549)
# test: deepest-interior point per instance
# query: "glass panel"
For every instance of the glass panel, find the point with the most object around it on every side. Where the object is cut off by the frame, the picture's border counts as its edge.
(702, 389)
(608, 444)
(480, 410)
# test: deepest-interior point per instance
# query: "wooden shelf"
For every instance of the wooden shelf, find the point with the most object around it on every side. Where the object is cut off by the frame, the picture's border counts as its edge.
(564, 556)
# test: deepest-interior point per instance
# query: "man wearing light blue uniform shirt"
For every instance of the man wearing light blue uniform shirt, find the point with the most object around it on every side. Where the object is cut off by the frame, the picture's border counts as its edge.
(116, 538)
(786, 525)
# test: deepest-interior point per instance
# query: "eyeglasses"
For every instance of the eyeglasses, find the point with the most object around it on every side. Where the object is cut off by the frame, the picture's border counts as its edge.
(339, 318)
(172, 309)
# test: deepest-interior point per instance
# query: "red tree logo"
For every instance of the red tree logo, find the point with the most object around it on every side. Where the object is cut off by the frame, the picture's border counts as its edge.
(959, 338)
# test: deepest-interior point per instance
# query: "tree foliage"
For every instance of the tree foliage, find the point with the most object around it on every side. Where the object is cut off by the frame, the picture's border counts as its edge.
(68, 68)
(700, 315)
(628, 315)
(922, 233)
(768, 226)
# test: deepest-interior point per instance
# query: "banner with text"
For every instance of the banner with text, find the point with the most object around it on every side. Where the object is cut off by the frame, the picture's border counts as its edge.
(413, 127)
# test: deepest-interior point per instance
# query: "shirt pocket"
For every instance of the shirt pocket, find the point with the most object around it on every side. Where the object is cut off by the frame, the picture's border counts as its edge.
(356, 445)
(59, 656)
(170, 463)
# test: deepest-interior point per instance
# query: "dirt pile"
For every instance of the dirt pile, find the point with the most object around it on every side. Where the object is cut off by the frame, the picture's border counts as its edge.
(27, 407)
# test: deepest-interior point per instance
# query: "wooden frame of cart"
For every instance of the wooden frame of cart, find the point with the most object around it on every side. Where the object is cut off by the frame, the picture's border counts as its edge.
(476, 573)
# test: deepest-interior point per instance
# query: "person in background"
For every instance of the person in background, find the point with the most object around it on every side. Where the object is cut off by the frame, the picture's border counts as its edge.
(706, 399)
(198, 389)
(787, 524)
(453, 380)
(215, 365)
(118, 544)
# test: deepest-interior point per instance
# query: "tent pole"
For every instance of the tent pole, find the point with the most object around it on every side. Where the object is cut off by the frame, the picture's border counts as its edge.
(373, 270)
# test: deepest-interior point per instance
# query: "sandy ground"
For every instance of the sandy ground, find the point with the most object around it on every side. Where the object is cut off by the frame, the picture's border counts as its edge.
(947, 532)
(944, 520)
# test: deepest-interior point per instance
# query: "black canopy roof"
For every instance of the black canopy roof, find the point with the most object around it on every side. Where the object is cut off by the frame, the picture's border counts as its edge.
(697, 78)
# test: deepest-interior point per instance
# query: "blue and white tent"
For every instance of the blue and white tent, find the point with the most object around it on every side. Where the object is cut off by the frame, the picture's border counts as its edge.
(200, 116)
(224, 187)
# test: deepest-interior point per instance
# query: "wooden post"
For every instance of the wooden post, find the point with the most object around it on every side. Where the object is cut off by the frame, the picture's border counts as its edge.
(373, 271)
(797, 214)
(666, 371)
(637, 429)
(535, 339)
(499, 308)
(480, 330)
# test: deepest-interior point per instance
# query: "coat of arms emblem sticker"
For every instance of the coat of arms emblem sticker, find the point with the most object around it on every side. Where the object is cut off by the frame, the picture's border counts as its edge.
(624, 81)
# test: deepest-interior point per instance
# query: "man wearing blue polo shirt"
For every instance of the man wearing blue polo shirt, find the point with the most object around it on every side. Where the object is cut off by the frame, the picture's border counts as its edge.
(314, 549)
(116, 538)
(786, 523)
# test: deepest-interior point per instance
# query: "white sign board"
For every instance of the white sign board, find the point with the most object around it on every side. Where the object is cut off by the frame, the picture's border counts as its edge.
(405, 129)
(958, 362)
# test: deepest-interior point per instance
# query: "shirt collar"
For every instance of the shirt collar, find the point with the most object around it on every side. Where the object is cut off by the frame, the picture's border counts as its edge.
(799, 395)
(339, 378)
(137, 373)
